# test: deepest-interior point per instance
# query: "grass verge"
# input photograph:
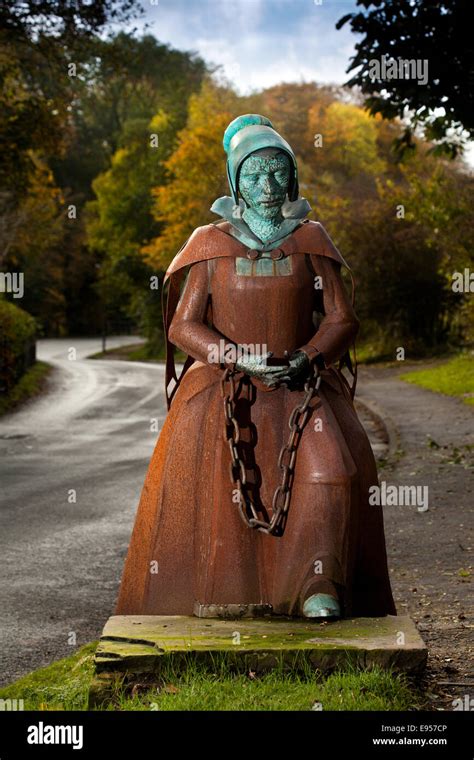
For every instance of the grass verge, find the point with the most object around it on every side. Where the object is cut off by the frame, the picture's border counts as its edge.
(453, 378)
(30, 385)
(64, 685)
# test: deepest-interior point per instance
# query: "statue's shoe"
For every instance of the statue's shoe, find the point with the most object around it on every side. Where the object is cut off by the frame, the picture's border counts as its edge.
(321, 606)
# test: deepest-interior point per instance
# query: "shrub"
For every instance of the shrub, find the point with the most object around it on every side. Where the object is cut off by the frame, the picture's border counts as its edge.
(17, 344)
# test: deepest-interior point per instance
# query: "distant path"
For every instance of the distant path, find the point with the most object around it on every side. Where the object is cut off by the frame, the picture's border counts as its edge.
(431, 553)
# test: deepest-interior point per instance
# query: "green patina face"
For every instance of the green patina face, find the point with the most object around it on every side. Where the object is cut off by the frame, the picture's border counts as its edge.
(263, 183)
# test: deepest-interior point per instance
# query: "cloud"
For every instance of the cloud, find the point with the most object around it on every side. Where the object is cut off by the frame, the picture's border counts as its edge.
(259, 42)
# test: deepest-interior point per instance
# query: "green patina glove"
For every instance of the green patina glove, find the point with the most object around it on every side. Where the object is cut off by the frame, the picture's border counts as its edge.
(256, 366)
(297, 369)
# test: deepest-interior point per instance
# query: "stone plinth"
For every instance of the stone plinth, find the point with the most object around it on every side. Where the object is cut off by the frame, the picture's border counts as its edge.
(140, 645)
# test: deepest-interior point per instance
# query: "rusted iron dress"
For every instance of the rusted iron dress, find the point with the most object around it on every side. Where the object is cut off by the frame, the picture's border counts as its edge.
(190, 549)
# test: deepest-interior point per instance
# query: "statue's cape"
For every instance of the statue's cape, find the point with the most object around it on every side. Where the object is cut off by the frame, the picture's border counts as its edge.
(216, 241)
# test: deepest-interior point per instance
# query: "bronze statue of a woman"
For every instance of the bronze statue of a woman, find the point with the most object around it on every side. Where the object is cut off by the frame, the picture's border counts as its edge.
(256, 500)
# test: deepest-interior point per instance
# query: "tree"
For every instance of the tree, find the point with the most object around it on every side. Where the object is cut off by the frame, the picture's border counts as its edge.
(32, 235)
(404, 247)
(39, 41)
(119, 221)
(75, 126)
(435, 31)
(349, 140)
(196, 172)
(288, 107)
(123, 78)
(67, 19)
(137, 106)
(46, 48)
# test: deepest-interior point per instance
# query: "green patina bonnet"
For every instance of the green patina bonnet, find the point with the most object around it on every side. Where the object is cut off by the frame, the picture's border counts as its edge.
(244, 136)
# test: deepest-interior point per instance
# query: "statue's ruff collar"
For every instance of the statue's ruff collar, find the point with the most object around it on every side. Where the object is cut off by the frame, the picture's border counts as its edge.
(293, 212)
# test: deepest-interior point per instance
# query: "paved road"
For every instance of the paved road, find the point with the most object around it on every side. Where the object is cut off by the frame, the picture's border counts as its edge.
(61, 561)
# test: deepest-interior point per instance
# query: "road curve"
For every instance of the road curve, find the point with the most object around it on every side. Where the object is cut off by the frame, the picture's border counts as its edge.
(93, 434)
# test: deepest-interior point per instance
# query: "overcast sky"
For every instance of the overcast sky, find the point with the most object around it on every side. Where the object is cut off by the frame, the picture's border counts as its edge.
(259, 42)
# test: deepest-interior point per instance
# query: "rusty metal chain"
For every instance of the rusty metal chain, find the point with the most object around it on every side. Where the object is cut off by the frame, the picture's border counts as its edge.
(286, 460)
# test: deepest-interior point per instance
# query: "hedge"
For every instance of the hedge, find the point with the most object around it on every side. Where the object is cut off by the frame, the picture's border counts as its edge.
(17, 344)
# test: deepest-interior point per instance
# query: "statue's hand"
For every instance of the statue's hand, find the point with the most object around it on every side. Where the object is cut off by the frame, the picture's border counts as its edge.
(256, 366)
(298, 367)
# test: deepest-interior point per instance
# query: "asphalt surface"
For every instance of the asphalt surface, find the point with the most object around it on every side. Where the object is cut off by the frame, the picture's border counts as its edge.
(61, 561)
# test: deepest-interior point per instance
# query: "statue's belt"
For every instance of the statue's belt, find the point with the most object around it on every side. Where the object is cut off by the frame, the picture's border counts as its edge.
(275, 255)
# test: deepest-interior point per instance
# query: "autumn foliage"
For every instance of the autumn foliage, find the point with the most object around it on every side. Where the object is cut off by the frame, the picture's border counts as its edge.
(106, 174)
